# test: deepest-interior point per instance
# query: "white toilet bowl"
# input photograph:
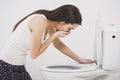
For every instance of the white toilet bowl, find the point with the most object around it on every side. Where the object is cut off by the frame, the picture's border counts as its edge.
(58, 72)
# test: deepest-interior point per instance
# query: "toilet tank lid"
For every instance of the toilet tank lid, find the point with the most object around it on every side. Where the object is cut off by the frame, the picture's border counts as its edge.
(111, 28)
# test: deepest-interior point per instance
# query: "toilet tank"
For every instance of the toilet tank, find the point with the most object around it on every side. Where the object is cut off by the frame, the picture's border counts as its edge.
(111, 48)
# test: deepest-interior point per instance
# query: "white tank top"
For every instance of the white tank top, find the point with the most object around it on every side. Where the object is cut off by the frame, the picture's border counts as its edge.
(18, 45)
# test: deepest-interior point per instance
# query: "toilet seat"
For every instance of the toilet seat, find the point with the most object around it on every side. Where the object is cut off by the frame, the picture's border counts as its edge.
(69, 68)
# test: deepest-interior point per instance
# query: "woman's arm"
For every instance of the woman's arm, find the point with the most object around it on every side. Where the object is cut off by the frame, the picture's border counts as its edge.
(64, 49)
(38, 25)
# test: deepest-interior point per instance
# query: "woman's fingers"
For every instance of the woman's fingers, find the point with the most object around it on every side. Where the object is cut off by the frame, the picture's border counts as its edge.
(86, 61)
(90, 61)
(62, 33)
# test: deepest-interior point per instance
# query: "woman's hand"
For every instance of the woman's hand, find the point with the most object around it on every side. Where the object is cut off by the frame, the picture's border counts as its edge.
(85, 61)
(61, 34)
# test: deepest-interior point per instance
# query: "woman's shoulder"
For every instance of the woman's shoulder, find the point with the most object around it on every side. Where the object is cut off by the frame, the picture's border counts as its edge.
(37, 20)
(37, 15)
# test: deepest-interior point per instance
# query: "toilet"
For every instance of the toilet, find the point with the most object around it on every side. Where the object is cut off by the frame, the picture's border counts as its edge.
(68, 71)
(111, 47)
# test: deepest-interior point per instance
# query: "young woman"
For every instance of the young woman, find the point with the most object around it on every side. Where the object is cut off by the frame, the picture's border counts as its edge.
(30, 34)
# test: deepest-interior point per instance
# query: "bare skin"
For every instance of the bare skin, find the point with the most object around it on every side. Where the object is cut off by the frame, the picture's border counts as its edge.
(55, 30)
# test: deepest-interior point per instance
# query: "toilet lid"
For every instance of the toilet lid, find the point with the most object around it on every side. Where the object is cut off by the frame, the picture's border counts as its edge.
(68, 68)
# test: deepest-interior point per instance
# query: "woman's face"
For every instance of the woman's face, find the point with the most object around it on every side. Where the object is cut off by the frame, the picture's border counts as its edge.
(66, 26)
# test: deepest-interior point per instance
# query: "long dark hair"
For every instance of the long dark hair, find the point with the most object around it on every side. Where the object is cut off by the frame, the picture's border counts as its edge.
(67, 13)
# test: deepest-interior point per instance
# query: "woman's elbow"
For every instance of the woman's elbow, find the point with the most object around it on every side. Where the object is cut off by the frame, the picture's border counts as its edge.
(57, 45)
(33, 55)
